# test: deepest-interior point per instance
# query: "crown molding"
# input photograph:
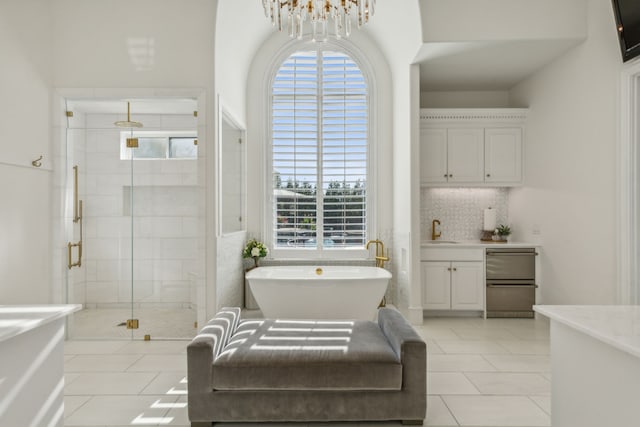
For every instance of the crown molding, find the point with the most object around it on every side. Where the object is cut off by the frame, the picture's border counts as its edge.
(474, 114)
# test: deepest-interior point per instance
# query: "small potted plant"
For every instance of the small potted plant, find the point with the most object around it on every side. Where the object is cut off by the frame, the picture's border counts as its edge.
(255, 250)
(502, 233)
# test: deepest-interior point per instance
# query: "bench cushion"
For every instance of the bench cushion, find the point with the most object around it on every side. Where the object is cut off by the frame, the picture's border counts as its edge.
(307, 355)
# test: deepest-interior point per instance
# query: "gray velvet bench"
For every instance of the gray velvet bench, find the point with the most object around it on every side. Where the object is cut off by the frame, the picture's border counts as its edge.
(268, 370)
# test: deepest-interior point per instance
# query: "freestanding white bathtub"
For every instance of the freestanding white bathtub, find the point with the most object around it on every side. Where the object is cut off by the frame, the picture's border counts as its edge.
(325, 292)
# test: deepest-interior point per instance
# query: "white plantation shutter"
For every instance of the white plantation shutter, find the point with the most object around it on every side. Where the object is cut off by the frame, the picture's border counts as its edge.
(319, 152)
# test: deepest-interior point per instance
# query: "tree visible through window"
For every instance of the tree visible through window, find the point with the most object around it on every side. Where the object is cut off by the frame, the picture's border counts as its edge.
(319, 153)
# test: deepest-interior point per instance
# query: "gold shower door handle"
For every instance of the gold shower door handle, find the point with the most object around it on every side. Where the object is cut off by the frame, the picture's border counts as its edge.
(70, 247)
(77, 208)
(78, 245)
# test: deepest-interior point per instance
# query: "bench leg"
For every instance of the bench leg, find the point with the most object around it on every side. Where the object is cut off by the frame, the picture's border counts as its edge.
(412, 422)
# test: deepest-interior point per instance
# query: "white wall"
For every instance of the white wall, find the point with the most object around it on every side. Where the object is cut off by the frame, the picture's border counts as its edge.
(465, 99)
(148, 48)
(133, 43)
(25, 208)
(397, 32)
(460, 20)
(241, 28)
(570, 183)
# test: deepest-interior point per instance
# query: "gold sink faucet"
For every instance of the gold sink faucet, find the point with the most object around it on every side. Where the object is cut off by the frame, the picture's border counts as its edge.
(435, 235)
(380, 257)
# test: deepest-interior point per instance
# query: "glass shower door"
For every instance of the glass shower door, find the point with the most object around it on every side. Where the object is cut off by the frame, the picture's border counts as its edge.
(97, 230)
(165, 213)
(140, 217)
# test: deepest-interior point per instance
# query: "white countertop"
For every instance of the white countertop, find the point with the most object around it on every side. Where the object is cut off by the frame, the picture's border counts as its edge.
(18, 319)
(616, 325)
(475, 244)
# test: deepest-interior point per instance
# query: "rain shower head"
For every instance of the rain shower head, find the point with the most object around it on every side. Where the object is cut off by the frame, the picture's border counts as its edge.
(128, 123)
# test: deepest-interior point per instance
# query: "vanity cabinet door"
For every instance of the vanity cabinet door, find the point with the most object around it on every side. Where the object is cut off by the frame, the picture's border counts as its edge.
(436, 285)
(467, 286)
(465, 155)
(433, 156)
(503, 155)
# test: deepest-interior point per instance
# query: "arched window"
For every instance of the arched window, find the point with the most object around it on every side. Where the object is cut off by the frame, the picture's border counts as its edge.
(319, 152)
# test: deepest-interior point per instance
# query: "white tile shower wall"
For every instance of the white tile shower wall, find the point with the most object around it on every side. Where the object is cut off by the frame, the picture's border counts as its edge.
(165, 222)
(461, 211)
(230, 283)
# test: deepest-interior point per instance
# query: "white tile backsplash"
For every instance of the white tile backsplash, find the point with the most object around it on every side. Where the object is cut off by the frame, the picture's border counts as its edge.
(461, 210)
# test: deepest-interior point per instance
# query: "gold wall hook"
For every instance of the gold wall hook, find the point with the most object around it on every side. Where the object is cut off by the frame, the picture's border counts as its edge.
(37, 162)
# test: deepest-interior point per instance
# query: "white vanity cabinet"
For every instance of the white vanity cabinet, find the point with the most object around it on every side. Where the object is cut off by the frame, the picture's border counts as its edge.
(452, 285)
(452, 279)
(478, 147)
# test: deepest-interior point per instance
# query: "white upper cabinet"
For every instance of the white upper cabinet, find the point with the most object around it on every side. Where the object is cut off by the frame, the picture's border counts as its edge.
(433, 156)
(479, 147)
(465, 155)
(503, 155)
(451, 155)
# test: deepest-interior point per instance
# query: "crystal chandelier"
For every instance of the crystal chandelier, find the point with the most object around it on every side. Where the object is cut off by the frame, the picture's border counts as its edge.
(294, 14)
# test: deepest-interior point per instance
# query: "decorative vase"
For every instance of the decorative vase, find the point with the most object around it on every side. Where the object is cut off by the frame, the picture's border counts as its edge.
(255, 261)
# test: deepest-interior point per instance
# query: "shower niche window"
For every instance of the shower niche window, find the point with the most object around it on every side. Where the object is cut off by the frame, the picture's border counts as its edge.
(159, 145)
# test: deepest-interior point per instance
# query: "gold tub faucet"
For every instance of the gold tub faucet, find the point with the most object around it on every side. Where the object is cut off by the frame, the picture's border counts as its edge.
(380, 257)
(380, 260)
(435, 235)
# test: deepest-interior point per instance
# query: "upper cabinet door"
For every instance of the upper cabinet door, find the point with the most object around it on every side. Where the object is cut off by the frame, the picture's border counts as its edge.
(503, 155)
(433, 155)
(465, 155)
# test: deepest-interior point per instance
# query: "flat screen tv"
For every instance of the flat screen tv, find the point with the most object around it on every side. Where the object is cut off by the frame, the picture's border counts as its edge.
(627, 13)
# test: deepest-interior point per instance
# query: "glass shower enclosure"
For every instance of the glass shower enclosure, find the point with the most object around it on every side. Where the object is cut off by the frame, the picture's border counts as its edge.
(133, 218)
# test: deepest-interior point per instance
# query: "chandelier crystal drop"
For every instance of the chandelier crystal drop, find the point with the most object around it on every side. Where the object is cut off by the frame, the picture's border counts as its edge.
(294, 14)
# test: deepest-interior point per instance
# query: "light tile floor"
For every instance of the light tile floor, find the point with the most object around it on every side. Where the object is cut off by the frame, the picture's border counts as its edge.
(484, 373)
